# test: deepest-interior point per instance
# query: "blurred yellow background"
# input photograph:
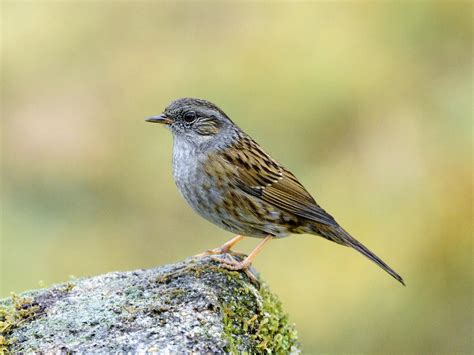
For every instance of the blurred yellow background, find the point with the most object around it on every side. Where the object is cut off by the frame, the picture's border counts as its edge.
(368, 104)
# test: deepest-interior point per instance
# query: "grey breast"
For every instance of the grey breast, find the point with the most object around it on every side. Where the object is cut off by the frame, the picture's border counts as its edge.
(200, 191)
(195, 186)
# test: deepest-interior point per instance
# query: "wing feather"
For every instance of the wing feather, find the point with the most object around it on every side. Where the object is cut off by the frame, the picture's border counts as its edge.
(259, 175)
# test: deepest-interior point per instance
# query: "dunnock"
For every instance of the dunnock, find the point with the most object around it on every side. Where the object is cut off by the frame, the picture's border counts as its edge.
(227, 178)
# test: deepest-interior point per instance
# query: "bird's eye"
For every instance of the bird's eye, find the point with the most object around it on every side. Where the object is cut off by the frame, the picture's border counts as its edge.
(189, 117)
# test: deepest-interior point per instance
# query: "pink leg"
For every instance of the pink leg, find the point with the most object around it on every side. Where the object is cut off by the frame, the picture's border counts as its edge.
(244, 264)
(225, 248)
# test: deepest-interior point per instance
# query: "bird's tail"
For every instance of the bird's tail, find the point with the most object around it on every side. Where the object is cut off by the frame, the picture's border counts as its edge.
(340, 236)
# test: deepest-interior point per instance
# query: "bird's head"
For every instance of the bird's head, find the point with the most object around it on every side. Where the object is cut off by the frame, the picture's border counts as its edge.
(197, 121)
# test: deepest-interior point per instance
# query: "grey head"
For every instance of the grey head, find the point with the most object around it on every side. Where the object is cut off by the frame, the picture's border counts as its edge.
(197, 123)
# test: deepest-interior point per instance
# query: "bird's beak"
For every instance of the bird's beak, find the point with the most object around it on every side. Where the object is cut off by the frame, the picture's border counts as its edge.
(160, 119)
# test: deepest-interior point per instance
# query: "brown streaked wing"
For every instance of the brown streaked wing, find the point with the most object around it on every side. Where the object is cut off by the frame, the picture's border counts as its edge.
(256, 173)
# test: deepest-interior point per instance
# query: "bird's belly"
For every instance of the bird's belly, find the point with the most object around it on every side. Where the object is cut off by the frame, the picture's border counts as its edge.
(224, 204)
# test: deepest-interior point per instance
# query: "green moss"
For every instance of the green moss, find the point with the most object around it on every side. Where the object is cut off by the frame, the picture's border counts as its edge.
(22, 309)
(16, 312)
(274, 328)
(261, 322)
(265, 324)
(68, 287)
(253, 318)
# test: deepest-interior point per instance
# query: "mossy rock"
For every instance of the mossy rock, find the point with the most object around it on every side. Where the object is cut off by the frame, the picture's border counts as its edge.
(193, 306)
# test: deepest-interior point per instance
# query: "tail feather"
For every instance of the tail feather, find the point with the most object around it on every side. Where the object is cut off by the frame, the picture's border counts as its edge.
(339, 235)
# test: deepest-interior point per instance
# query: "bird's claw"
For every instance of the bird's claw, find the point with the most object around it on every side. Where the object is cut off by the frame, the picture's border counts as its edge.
(218, 251)
(236, 265)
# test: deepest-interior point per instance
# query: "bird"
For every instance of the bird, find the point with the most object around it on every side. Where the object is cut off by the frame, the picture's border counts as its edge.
(229, 179)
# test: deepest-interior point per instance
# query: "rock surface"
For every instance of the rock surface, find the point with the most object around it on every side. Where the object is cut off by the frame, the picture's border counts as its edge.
(189, 307)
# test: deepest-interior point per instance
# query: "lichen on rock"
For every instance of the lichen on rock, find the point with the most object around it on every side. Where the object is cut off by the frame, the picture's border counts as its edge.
(193, 306)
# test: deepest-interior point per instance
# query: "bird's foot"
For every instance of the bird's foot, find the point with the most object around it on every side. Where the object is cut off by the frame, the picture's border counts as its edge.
(224, 249)
(218, 251)
(232, 264)
(229, 262)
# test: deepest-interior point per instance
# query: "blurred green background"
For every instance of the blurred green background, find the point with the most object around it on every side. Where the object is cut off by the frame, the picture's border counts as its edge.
(369, 104)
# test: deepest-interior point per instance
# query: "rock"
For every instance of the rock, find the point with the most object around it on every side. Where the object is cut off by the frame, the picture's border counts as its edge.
(190, 307)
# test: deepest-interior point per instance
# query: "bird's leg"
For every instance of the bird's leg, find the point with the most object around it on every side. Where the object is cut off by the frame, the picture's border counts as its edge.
(244, 264)
(227, 246)
(224, 248)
